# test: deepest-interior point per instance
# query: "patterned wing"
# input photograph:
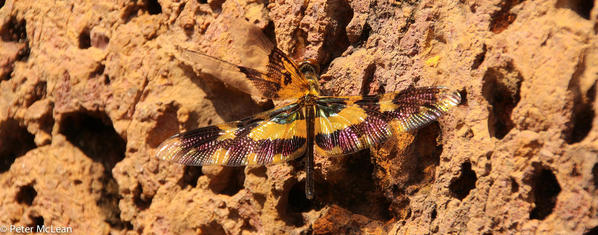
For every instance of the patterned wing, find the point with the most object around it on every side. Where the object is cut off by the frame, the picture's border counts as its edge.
(348, 124)
(279, 79)
(271, 137)
(263, 69)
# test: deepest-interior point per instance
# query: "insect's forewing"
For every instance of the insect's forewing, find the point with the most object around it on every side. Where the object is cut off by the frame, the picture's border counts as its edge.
(348, 124)
(263, 69)
(271, 137)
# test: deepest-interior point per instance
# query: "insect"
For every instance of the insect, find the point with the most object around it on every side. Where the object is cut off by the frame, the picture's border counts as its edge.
(309, 123)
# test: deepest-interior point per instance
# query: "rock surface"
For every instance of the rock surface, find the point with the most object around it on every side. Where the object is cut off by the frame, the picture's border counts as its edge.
(89, 90)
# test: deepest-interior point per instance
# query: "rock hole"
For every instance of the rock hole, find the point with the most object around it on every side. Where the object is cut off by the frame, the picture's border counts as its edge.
(127, 226)
(461, 186)
(365, 34)
(91, 132)
(583, 111)
(7, 73)
(202, 1)
(190, 176)
(216, 5)
(141, 200)
(35, 220)
(463, 94)
(98, 71)
(46, 121)
(514, 186)
(108, 202)
(408, 214)
(77, 182)
(503, 17)
(341, 14)
(545, 188)
(356, 190)
(473, 7)
(26, 195)
(2, 3)
(479, 58)
(229, 182)
(433, 214)
(84, 39)
(583, 8)
(368, 80)
(14, 30)
(23, 54)
(152, 6)
(260, 171)
(131, 11)
(298, 203)
(15, 141)
(501, 89)
(235, 184)
(212, 228)
(139, 229)
(592, 231)
(292, 203)
(363, 37)
(106, 79)
(426, 154)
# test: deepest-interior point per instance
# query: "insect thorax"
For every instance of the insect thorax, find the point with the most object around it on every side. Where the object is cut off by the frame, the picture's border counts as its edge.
(311, 71)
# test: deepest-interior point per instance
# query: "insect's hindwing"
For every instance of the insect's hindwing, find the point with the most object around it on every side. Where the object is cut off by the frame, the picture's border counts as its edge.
(348, 124)
(271, 137)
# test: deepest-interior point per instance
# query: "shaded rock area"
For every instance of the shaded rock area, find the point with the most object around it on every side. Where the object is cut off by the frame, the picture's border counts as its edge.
(88, 90)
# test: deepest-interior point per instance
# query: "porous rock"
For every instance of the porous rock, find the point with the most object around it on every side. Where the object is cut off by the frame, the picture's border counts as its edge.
(88, 90)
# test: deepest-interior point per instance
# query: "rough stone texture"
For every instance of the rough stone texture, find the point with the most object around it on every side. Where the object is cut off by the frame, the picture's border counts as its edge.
(88, 91)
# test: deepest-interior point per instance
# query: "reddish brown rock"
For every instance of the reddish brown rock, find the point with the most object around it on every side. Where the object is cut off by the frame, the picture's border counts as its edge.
(89, 90)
